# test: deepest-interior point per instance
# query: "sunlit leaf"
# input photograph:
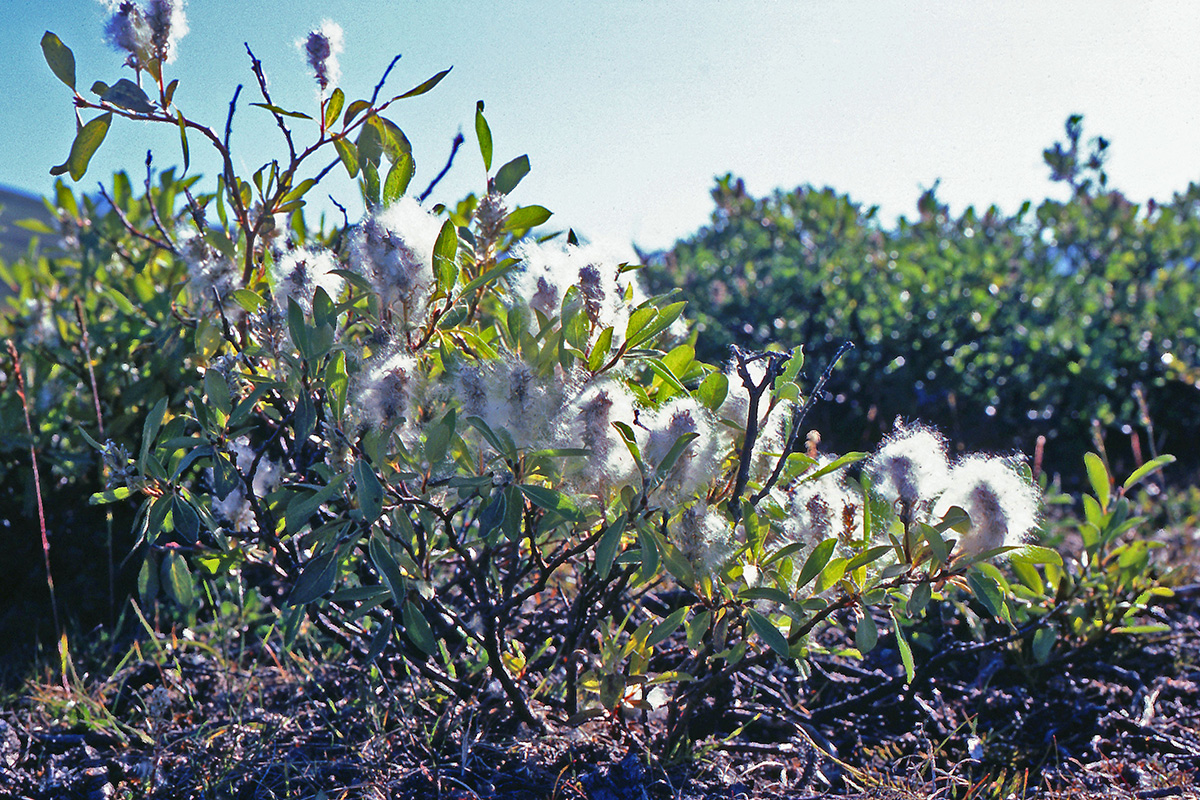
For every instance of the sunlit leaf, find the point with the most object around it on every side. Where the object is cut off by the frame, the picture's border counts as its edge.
(508, 176)
(484, 134)
(59, 57)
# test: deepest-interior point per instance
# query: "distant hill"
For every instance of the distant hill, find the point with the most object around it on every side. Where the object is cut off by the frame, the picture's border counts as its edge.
(17, 205)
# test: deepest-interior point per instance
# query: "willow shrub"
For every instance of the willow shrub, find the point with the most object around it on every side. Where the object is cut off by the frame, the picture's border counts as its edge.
(1067, 319)
(482, 456)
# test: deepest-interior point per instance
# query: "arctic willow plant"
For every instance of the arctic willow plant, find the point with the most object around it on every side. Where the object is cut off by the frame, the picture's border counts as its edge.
(486, 458)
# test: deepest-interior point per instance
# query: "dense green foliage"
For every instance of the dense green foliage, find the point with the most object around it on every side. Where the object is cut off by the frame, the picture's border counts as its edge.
(996, 328)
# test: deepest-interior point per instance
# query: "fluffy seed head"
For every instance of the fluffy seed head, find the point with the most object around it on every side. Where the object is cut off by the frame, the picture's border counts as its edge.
(700, 462)
(321, 48)
(507, 393)
(586, 422)
(128, 31)
(1003, 506)
(824, 507)
(393, 249)
(386, 394)
(168, 25)
(549, 270)
(705, 536)
(149, 33)
(910, 469)
(297, 274)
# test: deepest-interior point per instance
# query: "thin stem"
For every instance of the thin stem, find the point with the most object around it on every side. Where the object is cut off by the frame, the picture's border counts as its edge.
(383, 78)
(256, 68)
(458, 141)
(37, 487)
(798, 417)
(129, 226)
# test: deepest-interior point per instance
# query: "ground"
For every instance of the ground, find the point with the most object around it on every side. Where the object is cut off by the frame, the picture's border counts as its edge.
(193, 715)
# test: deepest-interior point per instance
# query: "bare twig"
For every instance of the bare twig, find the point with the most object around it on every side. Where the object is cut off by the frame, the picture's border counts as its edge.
(798, 417)
(755, 391)
(87, 360)
(383, 78)
(256, 68)
(37, 486)
(150, 202)
(458, 141)
(130, 227)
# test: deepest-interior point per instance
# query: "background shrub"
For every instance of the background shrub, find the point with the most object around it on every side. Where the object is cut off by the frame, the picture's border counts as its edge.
(996, 328)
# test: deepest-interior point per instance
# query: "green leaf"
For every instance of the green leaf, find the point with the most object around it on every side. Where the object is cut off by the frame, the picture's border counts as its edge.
(150, 429)
(385, 563)
(334, 107)
(664, 629)
(987, 591)
(445, 257)
(816, 562)
(177, 579)
(283, 112)
(501, 440)
(831, 574)
(110, 496)
(216, 388)
(353, 110)
(1034, 554)
(866, 633)
(1146, 469)
(767, 631)
(867, 556)
(639, 320)
(526, 217)
(484, 134)
(348, 153)
(655, 325)
(369, 491)
(426, 86)
(664, 372)
(600, 350)
(187, 521)
(1043, 643)
(508, 176)
(1098, 477)
(59, 57)
(438, 438)
(316, 579)
(606, 548)
(84, 147)
(649, 554)
(337, 383)
(379, 641)
(398, 177)
(492, 515)
(921, 593)
(225, 476)
(127, 94)
(1137, 630)
(906, 656)
(183, 140)
(553, 500)
(713, 390)
(417, 629)
(676, 562)
(148, 581)
(303, 506)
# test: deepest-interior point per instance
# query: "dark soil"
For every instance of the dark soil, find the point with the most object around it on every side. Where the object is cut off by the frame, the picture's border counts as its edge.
(1117, 720)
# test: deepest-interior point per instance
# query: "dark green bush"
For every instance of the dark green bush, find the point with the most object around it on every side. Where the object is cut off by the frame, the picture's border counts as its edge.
(998, 329)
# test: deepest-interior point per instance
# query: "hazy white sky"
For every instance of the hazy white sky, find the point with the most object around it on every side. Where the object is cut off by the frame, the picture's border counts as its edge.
(629, 108)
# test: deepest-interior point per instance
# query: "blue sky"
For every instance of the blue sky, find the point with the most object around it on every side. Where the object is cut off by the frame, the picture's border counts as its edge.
(628, 109)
